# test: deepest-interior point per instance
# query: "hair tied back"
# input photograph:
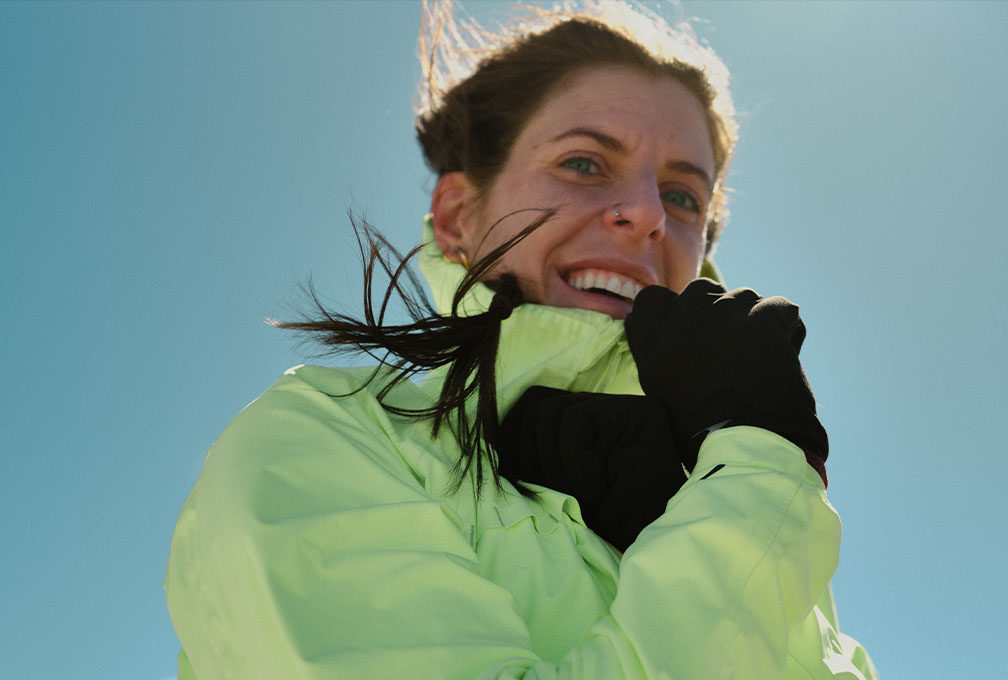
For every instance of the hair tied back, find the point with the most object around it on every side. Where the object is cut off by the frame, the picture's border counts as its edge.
(507, 297)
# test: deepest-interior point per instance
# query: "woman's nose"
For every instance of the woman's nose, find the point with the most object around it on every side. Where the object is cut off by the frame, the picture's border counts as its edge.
(638, 211)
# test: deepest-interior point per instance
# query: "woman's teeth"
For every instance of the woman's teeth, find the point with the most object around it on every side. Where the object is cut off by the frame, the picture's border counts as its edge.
(601, 280)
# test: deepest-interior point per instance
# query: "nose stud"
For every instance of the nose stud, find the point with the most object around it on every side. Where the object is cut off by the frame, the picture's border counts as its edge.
(615, 211)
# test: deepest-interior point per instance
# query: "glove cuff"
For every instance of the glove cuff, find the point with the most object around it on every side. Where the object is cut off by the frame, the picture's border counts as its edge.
(817, 464)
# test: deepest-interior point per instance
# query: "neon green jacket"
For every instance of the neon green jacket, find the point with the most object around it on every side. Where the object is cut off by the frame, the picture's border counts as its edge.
(320, 542)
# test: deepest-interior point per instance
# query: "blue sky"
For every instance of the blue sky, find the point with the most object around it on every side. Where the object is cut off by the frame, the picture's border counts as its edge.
(170, 172)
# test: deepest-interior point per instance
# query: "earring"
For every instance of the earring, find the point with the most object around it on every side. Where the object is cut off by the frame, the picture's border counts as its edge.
(615, 211)
(458, 252)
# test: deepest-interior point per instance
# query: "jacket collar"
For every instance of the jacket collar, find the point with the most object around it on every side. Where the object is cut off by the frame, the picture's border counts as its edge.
(572, 349)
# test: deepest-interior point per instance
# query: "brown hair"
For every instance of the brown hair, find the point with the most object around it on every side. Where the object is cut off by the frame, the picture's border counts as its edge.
(471, 125)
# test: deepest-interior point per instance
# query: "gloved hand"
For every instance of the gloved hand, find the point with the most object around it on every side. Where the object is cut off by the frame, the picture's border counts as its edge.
(712, 356)
(614, 453)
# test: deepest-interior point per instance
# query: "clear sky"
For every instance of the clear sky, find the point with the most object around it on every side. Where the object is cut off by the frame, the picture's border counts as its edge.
(170, 172)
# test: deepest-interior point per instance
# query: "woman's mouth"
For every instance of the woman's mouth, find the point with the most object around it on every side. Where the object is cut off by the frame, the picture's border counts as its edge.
(604, 282)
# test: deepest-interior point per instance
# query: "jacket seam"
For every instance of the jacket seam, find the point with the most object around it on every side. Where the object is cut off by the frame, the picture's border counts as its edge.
(743, 629)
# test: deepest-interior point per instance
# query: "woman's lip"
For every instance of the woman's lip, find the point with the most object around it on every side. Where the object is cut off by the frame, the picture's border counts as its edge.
(597, 302)
(604, 280)
(638, 272)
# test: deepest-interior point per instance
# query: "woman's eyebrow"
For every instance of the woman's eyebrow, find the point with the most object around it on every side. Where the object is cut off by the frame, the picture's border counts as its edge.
(608, 141)
(615, 145)
(691, 169)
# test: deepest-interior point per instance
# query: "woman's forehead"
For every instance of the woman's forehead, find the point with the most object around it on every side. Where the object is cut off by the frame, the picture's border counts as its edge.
(624, 109)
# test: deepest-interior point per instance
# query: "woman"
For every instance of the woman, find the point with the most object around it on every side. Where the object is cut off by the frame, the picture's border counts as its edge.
(351, 523)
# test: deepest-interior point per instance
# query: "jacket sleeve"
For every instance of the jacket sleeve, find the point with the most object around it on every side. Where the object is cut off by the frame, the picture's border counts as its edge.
(307, 551)
(735, 566)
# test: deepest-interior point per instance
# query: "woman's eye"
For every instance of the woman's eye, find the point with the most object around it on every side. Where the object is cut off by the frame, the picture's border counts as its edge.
(681, 199)
(582, 165)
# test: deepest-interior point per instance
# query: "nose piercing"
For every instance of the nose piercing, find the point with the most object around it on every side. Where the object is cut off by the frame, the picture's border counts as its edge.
(615, 211)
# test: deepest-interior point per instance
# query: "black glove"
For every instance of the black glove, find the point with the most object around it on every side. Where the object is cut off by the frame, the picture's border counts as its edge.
(614, 453)
(711, 356)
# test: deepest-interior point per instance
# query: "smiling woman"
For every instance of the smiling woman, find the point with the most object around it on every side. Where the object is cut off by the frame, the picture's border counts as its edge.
(612, 469)
(644, 148)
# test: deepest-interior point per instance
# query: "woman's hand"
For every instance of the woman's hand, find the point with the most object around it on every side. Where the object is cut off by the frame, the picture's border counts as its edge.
(717, 358)
(614, 453)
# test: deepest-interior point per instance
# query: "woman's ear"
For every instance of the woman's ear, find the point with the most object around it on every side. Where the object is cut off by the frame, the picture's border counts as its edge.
(450, 202)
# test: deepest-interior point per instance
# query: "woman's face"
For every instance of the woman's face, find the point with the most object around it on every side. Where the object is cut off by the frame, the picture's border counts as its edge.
(609, 140)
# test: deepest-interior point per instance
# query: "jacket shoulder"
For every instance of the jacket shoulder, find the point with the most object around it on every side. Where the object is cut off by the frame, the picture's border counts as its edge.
(324, 429)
